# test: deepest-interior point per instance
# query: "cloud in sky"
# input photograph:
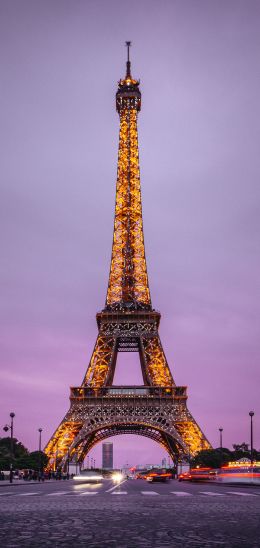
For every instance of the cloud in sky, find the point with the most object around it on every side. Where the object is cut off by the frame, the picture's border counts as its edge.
(198, 135)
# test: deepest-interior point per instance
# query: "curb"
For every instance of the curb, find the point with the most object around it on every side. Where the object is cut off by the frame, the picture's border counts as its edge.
(6, 483)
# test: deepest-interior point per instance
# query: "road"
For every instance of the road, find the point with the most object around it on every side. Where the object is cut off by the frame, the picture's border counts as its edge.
(132, 514)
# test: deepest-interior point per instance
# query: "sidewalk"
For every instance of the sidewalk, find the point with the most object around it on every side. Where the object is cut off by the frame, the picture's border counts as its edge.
(6, 483)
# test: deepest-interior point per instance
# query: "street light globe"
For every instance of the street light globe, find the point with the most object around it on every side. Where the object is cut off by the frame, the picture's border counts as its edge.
(12, 415)
(251, 413)
(6, 428)
(40, 430)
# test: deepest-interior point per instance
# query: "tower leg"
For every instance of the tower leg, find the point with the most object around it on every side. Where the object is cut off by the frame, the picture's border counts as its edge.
(102, 363)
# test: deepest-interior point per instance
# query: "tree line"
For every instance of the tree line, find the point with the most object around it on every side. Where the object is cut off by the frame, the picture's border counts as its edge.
(21, 458)
(215, 458)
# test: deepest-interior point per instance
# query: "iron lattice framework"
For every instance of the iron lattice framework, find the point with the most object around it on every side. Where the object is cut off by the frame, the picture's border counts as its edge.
(128, 323)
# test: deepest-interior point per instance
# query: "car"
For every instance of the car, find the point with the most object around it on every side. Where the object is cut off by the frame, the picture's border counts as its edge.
(158, 475)
(141, 475)
(185, 476)
(88, 476)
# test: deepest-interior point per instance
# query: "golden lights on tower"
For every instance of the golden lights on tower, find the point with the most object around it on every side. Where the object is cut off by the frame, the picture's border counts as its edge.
(128, 321)
(128, 281)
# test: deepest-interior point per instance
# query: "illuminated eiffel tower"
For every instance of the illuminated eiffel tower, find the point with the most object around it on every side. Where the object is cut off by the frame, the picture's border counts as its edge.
(128, 323)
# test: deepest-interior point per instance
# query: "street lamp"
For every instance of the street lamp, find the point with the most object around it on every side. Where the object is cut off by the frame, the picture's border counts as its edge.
(56, 457)
(6, 428)
(220, 437)
(68, 464)
(40, 449)
(251, 414)
(40, 438)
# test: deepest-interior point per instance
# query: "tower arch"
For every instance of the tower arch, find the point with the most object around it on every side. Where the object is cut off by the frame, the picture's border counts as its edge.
(88, 438)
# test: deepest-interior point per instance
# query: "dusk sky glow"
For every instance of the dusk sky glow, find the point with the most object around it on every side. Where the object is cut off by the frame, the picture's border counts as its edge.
(198, 63)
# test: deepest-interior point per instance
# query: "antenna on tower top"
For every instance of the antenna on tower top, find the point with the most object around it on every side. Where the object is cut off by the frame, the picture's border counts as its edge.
(128, 63)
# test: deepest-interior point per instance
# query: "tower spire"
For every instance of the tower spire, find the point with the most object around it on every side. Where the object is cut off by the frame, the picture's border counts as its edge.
(128, 63)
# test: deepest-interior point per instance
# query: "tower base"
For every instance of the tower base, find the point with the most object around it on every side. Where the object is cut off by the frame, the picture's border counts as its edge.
(94, 415)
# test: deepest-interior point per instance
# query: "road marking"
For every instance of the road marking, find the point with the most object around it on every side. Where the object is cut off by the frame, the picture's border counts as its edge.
(8, 493)
(149, 493)
(26, 494)
(119, 493)
(57, 494)
(88, 493)
(212, 494)
(181, 493)
(241, 494)
(115, 486)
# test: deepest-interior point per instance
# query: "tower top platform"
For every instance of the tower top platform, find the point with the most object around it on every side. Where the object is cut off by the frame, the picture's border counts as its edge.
(128, 93)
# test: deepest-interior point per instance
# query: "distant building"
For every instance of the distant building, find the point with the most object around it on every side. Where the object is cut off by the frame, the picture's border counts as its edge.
(164, 463)
(107, 455)
(146, 466)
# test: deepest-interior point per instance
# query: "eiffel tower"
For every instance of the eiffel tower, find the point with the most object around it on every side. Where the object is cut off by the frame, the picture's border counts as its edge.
(128, 323)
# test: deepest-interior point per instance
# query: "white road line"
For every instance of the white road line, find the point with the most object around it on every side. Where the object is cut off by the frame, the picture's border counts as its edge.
(26, 494)
(212, 494)
(88, 493)
(181, 493)
(8, 493)
(241, 494)
(115, 486)
(149, 493)
(119, 493)
(57, 493)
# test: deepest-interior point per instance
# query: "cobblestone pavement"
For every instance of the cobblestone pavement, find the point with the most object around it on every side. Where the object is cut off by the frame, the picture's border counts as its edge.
(134, 514)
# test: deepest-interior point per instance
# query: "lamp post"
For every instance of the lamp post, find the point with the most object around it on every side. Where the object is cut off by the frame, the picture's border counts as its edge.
(40, 439)
(40, 449)
(220, 438)
(6, 428)
(220, 443)
(56, 457)
(189, 458)
(251, 414)
(180, 461)
(68, 464)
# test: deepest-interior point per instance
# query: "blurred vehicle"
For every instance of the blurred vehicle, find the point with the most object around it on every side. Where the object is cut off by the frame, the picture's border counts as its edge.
(186, 476)
(240, 472)
(117, 477)
(199, 474)
(203, 474)
(234, 472)
(88, 476)
(158, 475)
(141, 474)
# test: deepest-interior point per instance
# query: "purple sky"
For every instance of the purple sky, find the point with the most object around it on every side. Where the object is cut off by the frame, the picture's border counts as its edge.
(199, 151)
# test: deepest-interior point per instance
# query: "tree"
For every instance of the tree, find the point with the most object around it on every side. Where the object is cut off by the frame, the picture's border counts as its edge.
(215, 458)
(6, 454)
(21, 457)
(241, 447)
(32, 461)
(212, 458)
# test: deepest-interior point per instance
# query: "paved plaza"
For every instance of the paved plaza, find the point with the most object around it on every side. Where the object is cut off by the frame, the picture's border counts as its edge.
(131, 514)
